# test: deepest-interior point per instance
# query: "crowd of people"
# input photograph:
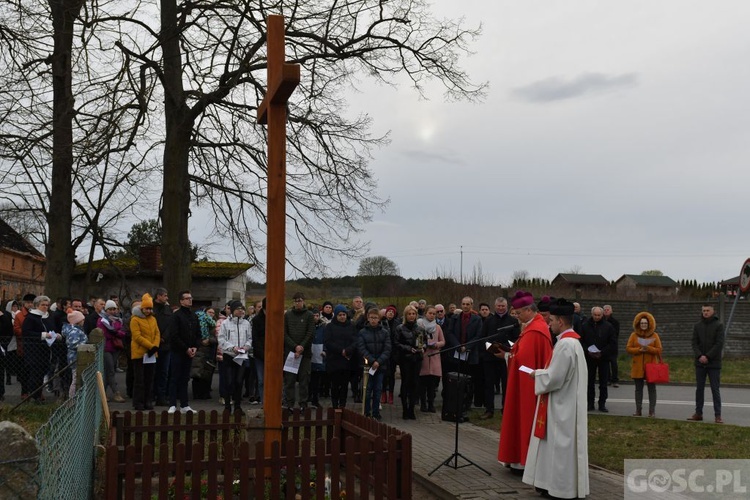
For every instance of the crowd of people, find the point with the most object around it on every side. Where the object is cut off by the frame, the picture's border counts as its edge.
(543, 357)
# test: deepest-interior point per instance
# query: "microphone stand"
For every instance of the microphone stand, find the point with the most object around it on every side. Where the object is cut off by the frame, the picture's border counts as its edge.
(452, 461)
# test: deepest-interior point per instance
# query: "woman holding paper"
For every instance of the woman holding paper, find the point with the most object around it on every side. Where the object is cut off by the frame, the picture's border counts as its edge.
(38, 333)
(235, 340)
(644, 345)
(144, 347)
(410, 337)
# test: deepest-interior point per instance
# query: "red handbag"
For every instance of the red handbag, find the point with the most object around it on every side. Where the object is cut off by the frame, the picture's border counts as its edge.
(657, 373)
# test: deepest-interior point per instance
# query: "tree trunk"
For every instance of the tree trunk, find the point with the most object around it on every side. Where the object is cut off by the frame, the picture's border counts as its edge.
(179, 122)
(60, 258)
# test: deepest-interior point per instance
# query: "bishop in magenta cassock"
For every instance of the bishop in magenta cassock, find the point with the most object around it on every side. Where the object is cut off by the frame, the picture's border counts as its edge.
(558, 460)
(533, 349)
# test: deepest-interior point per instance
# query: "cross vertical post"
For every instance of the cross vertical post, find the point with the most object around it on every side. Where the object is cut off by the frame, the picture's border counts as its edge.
(282, 79)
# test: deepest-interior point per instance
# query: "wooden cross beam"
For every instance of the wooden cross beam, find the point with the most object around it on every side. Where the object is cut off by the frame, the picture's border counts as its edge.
(282, 79)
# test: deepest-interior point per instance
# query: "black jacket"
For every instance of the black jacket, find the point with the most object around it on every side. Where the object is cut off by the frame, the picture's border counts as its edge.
(495, 326)
(32, 329)
(339, 337)
(258, 330)
(163, 315)
(374, 344)
(90, 322)
(473, 332)
(406, 339)
(708, 340)
(600, 334)
(185, 330)
(6, 329)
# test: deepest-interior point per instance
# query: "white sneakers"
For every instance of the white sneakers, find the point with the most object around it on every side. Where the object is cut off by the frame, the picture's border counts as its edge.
(186, 409)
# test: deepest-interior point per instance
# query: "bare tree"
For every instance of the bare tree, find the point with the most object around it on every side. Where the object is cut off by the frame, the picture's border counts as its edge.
(65, 127)
(185, 85)
(212, 76)
(27, 222)
(576, 269)
(520, 275)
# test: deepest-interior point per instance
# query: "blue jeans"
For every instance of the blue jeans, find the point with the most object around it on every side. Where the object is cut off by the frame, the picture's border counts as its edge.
(161, 377)
(714, 376)
(259, 367)
(372, 395)
(179, 377)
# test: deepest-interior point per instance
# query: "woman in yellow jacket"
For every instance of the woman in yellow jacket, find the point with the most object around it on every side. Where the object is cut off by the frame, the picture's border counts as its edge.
(143, 348)
(644, 345)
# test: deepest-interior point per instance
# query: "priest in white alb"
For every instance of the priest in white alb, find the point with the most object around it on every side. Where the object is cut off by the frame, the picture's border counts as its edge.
(557, 463)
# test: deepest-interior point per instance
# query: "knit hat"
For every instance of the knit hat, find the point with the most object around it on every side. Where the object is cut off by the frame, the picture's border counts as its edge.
(75, 317)
(110, 305)
(392, 308)
(327, 303)
(236, 304)
(147, 302)
(341, 308)
(521, 299)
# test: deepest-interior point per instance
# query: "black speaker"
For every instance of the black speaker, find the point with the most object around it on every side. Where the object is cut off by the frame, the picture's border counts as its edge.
(457, 397)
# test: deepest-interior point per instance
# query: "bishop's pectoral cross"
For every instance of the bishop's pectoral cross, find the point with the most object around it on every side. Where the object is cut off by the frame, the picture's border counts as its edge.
(282, 79)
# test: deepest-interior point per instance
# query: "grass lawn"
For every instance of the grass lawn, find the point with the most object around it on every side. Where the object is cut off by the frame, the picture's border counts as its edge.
(612, 439)
(682, 369)
(29, 416)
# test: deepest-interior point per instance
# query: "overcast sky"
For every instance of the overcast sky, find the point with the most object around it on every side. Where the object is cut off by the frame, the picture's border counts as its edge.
(613, 139)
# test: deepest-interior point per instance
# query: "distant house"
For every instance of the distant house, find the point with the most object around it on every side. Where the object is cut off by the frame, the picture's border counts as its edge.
(637, 284)
(214, 283)
(588, 282)
(731, 286)
(22, 266)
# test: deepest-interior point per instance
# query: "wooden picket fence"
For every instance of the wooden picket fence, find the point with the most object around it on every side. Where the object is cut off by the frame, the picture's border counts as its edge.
(322, 454)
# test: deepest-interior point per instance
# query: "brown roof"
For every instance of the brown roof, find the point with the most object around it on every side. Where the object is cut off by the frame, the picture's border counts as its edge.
(582, 279)
(10, 239)
(647, 280)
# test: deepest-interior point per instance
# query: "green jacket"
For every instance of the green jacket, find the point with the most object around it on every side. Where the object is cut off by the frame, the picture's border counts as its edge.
(299, 329)
(708, 340)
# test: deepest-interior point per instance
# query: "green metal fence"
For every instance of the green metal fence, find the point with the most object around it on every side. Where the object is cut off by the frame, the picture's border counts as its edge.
(67, 441)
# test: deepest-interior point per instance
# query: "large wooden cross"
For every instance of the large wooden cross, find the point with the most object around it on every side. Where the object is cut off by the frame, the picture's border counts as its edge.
(282, 79)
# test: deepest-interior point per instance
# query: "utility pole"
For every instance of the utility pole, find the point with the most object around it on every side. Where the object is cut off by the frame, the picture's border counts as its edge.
(462, 264)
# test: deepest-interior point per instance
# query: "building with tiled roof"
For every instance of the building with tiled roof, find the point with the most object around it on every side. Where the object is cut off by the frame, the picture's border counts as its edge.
(630, 284)
(214, 283)
(21, 265)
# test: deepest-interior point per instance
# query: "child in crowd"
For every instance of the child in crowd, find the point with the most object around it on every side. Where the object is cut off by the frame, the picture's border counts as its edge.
(74, 336)
(374, 344)
(317, 365)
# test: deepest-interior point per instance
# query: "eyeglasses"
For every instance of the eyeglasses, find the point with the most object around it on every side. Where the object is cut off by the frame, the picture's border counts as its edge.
(440, 311)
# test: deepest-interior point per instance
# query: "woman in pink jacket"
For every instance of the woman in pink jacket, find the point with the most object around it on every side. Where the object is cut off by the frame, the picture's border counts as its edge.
(429, 375)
